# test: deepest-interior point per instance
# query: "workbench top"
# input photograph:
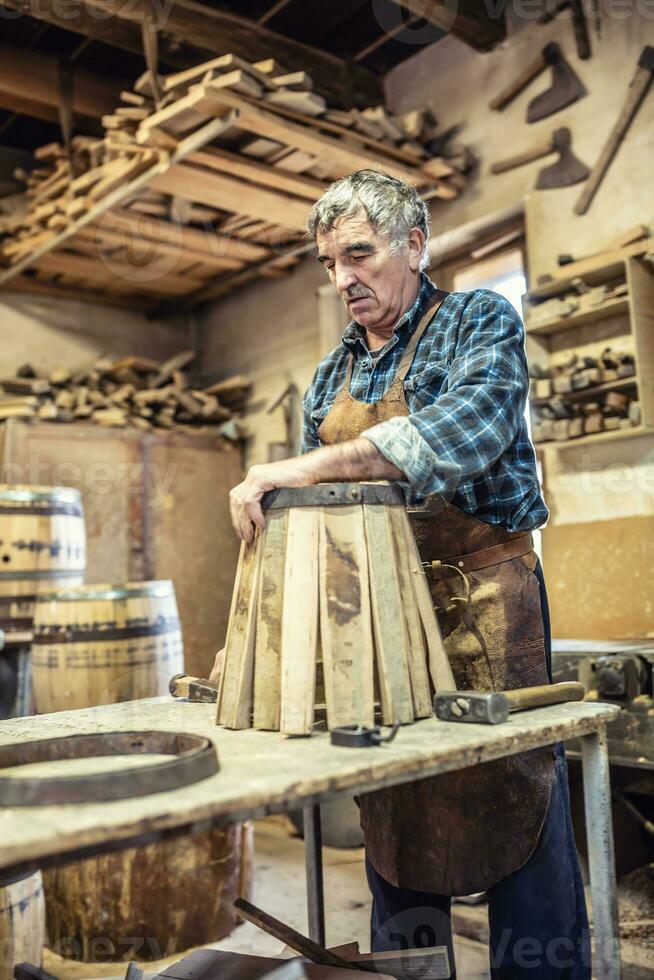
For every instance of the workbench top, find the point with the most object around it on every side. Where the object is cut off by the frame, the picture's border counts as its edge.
(260, 772)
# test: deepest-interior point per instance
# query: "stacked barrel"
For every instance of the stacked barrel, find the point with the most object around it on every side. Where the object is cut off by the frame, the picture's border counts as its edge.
(71, 645)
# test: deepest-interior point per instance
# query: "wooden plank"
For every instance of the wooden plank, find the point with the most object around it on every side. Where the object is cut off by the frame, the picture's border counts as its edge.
(226, 63)
(391, 636)
(268, 642)
(306, 102)
(439, 664)
(300, 622)
(272, 125)
(24, 284)
(226, 193)
(214, 158)
(213, 30)
(417, 654)
(119, 274)
(236, 683)
(260, 772)
(472, 21)
(345, 617)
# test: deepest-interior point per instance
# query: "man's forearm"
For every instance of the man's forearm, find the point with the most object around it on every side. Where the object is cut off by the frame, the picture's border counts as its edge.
(356, 459)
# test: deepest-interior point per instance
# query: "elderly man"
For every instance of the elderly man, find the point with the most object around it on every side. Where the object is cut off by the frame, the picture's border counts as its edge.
(429, 389)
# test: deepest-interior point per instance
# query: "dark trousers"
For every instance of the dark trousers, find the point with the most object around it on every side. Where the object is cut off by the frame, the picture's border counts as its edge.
(537, 915)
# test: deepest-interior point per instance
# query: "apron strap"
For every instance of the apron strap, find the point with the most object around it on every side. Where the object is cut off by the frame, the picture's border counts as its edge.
(410, 352)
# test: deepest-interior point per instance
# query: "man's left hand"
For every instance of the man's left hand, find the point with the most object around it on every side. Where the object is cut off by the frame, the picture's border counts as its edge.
(245, 499)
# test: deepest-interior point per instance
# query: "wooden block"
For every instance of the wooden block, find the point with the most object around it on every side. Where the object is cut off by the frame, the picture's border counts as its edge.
(576, 428)
(268, 641)
(270, 67)
(346, 630)
(542, 387)
(25, 386)
(634, 412)
(611, 422)
(412, 123)
(175, 363)
(562, 384)
(390, 630)
(306, 102)
(240, 82)
(298, 81)
(236, 682)
(561, 429)
(593, 423)
(300, 622)
(422, 705)
(110, 417)
(439, 664)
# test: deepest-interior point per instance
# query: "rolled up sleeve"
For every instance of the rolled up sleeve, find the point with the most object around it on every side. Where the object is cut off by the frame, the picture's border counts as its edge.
(473, 422)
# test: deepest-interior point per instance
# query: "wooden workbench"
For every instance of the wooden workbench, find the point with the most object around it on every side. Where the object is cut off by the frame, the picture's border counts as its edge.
(263, 772)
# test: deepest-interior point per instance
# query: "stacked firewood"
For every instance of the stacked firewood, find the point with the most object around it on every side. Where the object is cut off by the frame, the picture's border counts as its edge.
(584, 395)
(133, 391)
(144, 133)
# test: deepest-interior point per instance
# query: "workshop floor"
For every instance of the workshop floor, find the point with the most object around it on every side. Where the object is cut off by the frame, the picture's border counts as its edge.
(279, 889)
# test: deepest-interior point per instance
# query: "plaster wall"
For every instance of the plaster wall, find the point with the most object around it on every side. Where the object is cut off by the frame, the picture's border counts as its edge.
(457, 83)
(50, 333)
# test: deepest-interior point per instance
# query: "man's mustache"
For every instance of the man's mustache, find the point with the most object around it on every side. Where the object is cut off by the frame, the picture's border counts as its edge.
(357, 292)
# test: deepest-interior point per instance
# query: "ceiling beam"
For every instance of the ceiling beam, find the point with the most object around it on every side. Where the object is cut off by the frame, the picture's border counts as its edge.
(29, 84)
(479, 24)
(218, 32)
(71, 15)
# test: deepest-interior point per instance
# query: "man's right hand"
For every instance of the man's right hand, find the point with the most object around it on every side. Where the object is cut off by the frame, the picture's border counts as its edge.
(217, 669)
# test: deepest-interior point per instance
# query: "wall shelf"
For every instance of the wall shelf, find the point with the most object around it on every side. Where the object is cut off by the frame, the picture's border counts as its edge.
(595, 437)
(613, 307)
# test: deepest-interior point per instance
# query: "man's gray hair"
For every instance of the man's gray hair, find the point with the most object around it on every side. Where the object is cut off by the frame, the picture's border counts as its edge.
(392, 206)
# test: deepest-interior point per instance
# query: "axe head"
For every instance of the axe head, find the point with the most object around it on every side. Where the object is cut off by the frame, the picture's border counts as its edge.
(567, 169)
(566, 87)
(480, 707)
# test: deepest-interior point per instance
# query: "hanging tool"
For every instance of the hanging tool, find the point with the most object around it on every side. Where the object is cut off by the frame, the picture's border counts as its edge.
(579, 23)
(493, 707)
(566, 86)
(567, 170)
(638, 88)
(193, 688)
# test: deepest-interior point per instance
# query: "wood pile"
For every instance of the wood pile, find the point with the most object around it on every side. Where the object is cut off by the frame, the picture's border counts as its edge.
(584, 396)
(204, 176)
(132, 391)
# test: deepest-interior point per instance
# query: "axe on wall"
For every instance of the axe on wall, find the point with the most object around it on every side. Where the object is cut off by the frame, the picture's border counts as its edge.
(566, 87)
(568, 169)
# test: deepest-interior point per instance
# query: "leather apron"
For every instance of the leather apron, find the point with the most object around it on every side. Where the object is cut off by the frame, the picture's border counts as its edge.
(461, 832)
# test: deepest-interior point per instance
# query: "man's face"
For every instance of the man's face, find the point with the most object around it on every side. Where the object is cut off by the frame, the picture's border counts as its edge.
(374, 283)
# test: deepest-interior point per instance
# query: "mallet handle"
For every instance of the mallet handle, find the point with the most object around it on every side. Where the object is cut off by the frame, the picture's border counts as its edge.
(544, 694)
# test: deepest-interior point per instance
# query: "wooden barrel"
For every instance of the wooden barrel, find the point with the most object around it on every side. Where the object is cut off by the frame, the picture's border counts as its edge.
(22, 922)
(100, 644)
(150, 902)
(331, 609)
(42, 547)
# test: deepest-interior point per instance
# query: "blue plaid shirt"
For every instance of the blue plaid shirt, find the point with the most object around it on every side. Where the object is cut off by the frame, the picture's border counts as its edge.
(466, 435)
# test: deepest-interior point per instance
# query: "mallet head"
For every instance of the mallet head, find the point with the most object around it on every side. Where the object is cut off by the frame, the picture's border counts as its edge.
(480, 707)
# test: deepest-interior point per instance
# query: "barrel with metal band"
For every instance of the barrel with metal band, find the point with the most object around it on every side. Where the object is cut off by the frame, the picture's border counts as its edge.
(22, 921)
(42, 546)
(99, 644)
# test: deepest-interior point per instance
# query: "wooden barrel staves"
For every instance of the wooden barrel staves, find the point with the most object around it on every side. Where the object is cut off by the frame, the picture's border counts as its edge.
(332, 591)
(22, 922)
(100, 644)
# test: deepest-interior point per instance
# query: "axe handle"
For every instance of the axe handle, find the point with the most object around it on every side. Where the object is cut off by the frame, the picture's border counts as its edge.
(522, 81)
(540, 697)
(637, 91)
(521, 158)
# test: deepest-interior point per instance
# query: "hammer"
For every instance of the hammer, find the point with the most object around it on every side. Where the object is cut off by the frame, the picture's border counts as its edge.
(193, 688)
(493, 707)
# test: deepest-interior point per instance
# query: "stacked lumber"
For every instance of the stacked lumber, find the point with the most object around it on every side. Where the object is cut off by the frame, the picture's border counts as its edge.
(132, 391)
(584, 396)
(580, 299)
(224, 161)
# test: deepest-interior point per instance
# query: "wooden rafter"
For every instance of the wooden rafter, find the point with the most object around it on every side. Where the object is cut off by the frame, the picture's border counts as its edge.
(479, 24)
(29, 84)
